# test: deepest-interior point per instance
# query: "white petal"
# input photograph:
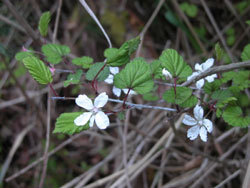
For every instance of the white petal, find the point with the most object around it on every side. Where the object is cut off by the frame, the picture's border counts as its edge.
(84, 102)
(192, 75)
(211, 77)
(166, 73)
(208, 124)
(114, 70)
(83, 119)
(101, 100)
(117, 91)
(198, 112)
(110, 79)
(131, 92)
(203, 134)
(200, 83)
(193, 132)
(208, 63)
(188, 120)
(91, 121)
(101, 120)
(198, 67)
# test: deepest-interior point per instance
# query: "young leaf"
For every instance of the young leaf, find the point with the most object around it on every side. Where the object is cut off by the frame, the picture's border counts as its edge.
(182, 94)
(245, 55)
(38, 70)
(21, 55)
(218, 52)
(94, 69)
(175, 64)
(233, 115)
(136, 75)
(73, 78)
(65, 124)
(190, 9)
(55, 52)
(44, 23)
(85, 62)
(117, 57)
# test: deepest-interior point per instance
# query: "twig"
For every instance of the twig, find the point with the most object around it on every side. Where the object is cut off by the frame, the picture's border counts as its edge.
(87, 8)
(11, 23)
(13, 149)
(57, 21)
(218, 69)
(232, 176)
(151, 19)
(212, 20)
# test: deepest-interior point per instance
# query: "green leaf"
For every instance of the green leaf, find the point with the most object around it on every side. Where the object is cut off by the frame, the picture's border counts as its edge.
(55, 52)
(230, 40)
(44, 23)
(182, 94)
(150, 97)
(156, 69)
(85, 62)
(65, 124)
(209, 88)
(233, 115)
(21, 55)
(245, 55)
(117, 57)
(218, 52)
(190, 102)
(73, 78)
(136, 75)
(175, 64)
(94, 69)
(190, 9)
(248, 22)
(38, 70)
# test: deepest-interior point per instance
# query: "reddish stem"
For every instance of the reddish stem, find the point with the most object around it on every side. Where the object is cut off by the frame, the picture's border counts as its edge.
(53, 90)
(125, 98)
(94, 82)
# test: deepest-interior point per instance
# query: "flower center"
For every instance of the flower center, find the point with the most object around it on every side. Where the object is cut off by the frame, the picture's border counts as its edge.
(95, 110)
(200, 122)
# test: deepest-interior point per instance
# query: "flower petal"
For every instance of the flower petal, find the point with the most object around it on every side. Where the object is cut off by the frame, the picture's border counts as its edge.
(207, 64)
(188, 120)
(166, 74)
(101, 100)
(110, 79)
(200, 83)
(193, 132)
(203, 134)
(211, 77)
(208, 124)
(114, 70)
(198, 67)
(83, 119)
(198, 112)
(131, 92)
(91, 121)
(192, 75)
(84, 102)
(101, 120)
(116, 91)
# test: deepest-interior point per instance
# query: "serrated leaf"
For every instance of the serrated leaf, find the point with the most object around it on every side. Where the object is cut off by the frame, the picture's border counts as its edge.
(150, 97)
(117, 57)
(209, 88)
(136, 75)
(221, 95)
(182, 94)
(21, 55)
(55, 52)
(94, 69)
(190, 102)
(73, 78)
(44, 23)
(65, 124)
(233, 115)
(175, 64)
(245, 55)
(155, 67)
(38, 70)
(85, 62)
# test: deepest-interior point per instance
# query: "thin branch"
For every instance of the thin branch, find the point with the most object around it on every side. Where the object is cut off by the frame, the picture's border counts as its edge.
(218, 69)
(11, 23)
(57, 21)
(232, 176)
(151, 19)
(87, 8)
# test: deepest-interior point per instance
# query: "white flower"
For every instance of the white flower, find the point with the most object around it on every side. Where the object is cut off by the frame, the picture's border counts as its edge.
(167, 74)
(200, 125)
(110, 80)
(94, 114)
(201, 68)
